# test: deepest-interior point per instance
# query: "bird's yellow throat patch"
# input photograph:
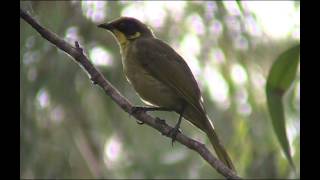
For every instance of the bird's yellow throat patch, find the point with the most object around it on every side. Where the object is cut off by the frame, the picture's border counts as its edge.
(123, 40)
(120, 36)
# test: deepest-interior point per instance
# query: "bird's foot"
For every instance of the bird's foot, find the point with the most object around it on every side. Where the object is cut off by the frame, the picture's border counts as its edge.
(136, 109)
(173, 133)
(160, 121)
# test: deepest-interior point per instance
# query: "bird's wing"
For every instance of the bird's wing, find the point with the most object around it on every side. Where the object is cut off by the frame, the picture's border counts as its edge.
(166, 65)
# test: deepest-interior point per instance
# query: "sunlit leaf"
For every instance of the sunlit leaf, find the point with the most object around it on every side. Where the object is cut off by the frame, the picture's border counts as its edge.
(281, 76)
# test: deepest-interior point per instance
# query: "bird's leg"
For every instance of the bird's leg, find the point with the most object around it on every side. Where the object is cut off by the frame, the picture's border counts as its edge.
(135, 109)
(174, 131)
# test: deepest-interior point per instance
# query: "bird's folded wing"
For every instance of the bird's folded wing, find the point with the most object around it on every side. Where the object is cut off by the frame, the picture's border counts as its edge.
(166, 65)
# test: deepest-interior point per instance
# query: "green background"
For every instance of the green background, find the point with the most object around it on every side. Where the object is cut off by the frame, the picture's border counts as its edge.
(70, 129)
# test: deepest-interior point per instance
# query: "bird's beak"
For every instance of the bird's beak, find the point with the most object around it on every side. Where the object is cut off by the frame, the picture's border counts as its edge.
(107, 26)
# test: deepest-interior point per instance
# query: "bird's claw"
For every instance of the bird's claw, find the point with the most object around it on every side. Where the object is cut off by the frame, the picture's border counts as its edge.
(160, 121)
(135, 109)
(173, 133)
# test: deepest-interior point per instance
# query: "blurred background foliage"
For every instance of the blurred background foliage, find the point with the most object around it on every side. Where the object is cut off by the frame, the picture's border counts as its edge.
(70, 129)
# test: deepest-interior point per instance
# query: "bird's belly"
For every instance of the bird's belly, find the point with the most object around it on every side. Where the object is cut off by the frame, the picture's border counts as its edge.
(151, 90)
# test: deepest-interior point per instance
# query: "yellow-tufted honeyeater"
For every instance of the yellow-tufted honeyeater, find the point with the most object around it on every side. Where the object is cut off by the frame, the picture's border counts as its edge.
(162, 78)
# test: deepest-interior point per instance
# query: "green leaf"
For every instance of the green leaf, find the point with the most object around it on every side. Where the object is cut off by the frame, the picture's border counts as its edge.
(281, 76)
(240, 6)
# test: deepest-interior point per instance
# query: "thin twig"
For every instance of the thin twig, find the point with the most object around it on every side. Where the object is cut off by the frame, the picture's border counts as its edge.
(97, 78)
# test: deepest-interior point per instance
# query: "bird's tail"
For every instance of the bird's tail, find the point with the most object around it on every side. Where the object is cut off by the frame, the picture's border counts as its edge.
(202, 121)
(218, 147)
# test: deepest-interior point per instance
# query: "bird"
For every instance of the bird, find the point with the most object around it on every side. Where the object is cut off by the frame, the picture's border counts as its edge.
(162, 78)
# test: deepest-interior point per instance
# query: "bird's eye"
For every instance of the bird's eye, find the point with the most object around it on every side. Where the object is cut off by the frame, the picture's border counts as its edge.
(122, 26)
(127, 28)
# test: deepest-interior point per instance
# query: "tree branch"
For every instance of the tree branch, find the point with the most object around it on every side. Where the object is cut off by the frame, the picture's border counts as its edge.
(97, 78)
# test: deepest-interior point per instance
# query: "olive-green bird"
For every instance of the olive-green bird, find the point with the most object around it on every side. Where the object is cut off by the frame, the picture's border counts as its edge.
(162, 78)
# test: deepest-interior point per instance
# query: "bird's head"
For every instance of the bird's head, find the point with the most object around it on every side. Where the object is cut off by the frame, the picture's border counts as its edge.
(127, 28)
